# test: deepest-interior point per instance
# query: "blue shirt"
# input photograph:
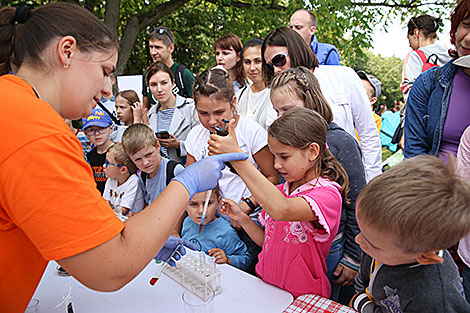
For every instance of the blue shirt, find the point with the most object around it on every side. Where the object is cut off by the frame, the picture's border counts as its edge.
(326, 54)
(217, 234)
(154, 186)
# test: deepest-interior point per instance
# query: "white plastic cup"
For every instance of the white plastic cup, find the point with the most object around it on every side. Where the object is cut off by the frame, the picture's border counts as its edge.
(193, 300)
(33, 306)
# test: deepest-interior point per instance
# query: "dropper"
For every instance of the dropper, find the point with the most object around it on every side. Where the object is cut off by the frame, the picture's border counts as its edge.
(204, 210)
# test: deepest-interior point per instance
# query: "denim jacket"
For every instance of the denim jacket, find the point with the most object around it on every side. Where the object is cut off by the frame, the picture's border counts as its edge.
(427, 110)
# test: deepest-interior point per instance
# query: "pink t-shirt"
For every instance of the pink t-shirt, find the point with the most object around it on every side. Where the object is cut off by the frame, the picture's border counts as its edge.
(294, 253)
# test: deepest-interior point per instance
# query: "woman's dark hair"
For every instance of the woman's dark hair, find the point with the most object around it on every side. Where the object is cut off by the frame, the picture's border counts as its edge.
(232, 42)
(460, 12)
(299, 53)
(156, 67)
(214, 82)
(25, 39)
(300, 127)
(427, 24)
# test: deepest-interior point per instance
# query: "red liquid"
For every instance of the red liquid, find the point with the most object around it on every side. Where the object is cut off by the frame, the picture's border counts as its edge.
(153, 280)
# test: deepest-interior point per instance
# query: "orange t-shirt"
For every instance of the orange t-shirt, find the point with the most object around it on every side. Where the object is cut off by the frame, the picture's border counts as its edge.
(50, 208)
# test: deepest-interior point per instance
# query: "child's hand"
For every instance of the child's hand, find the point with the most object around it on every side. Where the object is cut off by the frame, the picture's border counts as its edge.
(171, 142)
(232, 210)
(219, 255)
(224, 144)
(137, 111)
(343, 275)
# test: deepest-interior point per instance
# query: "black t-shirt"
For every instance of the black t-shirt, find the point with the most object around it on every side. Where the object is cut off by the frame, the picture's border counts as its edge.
(96, 162)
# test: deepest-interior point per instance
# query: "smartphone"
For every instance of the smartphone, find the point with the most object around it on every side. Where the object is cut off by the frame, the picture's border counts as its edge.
(162, 135)
(223, 132)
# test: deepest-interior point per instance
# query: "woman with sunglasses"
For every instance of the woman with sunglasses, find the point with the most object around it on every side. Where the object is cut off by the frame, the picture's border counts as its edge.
(253, 100)
(227, 54)
(49, 206)
(342, 88)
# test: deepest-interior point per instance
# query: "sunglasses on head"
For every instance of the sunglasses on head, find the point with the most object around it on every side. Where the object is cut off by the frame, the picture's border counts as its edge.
(161, 31)
(278, 60)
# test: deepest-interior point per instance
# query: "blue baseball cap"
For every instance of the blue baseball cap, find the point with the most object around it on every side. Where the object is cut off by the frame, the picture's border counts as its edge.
(98, 117)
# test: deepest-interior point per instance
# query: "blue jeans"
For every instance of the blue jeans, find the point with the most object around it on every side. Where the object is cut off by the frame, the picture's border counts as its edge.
(332, 261)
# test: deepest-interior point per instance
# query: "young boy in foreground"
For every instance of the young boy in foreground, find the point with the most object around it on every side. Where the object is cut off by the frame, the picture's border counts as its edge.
(408, 216)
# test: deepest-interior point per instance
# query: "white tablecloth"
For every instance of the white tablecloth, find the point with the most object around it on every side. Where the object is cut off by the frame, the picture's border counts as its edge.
(241, 292)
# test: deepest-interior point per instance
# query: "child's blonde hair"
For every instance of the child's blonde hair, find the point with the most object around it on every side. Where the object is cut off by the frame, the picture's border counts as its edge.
(300, 127)
(421, 202)
(121, 157)
(138, 136)
(301, 83)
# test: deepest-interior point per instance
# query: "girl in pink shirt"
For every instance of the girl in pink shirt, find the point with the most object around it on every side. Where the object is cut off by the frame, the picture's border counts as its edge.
(300, 217)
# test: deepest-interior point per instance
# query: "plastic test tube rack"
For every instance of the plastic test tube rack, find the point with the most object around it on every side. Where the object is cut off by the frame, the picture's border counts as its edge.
(196, 271)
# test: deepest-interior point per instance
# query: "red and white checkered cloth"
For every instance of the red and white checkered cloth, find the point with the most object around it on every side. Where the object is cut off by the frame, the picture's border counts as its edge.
(316, 303)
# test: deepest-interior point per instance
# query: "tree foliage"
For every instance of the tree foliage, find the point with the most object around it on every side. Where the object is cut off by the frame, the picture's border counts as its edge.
(348, 24)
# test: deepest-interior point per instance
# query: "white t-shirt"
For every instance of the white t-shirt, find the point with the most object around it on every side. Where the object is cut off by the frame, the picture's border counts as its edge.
(128, 195)
(348, 100)
(251, 138)
(256, 106)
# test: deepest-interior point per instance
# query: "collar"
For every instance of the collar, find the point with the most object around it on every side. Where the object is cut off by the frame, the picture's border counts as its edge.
(319, 181)
(314, 44)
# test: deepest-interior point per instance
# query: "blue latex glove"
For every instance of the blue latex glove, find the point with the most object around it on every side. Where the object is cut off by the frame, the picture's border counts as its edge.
(204, 174)
(173, 250)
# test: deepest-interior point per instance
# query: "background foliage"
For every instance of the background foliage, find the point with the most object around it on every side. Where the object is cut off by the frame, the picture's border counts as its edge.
(196, 24)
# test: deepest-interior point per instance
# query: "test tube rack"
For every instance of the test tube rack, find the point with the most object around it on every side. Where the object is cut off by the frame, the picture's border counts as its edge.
(191, 271)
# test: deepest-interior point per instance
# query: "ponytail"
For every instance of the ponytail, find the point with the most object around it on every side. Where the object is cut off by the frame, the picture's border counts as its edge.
(37, 29)
(334, 171)
(7, 32)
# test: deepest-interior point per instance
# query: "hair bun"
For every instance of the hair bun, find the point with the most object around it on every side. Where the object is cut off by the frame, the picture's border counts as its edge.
(22, 14)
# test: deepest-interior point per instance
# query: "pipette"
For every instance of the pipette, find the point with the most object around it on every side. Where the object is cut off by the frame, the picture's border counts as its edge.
(156, 277)
(204, 210)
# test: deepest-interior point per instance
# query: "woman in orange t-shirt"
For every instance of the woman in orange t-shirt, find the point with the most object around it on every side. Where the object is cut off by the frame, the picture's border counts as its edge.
(62, 57)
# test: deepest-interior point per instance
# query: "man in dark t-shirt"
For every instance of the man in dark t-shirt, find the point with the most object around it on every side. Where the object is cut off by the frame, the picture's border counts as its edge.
(161, 47)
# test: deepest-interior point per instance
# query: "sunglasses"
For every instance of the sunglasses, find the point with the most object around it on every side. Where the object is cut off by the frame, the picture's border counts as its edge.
(161, 31)
(278, 60)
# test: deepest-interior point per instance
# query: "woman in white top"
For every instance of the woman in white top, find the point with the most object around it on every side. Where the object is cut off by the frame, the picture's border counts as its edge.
(422, 38)
(173, 116)
(215, 102)
(253, 100)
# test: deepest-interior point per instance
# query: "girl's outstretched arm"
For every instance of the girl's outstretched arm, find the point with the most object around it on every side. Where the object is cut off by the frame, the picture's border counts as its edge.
(232, 210)
(268, 196)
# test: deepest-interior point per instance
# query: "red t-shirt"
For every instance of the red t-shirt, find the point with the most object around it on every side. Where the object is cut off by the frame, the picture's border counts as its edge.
(50, 208)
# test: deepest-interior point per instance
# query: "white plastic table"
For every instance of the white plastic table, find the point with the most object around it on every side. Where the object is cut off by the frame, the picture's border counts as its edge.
(241, 292)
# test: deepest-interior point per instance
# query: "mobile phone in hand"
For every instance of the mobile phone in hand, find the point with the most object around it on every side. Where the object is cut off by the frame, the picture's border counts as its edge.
(223, 132)
(162, 135)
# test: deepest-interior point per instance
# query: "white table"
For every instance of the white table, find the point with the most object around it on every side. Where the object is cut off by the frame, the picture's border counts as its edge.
(241, 292)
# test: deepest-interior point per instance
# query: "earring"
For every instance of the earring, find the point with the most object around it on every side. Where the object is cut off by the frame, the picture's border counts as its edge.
(66, 66)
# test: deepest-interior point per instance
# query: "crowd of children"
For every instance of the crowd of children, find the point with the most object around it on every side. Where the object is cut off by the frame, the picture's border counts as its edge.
(322, 230)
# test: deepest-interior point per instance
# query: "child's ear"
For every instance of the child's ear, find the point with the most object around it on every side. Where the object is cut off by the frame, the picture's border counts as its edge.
(429, 257)
(124, 169)
(314, 150)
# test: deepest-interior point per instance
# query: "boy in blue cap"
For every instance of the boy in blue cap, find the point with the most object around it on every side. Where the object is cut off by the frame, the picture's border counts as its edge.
(98, 127)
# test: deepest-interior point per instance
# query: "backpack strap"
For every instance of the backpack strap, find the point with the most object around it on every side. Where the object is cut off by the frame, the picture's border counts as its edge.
(241, 93)
(328, 55)
(179, 80)
(144, 176)
(170, 170)
(437, 75)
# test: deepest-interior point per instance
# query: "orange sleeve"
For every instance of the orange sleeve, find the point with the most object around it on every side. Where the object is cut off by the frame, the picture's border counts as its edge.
(50, 194)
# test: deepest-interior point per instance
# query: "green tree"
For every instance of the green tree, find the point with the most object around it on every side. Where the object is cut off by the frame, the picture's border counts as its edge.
(197, 22)
(387, 70)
